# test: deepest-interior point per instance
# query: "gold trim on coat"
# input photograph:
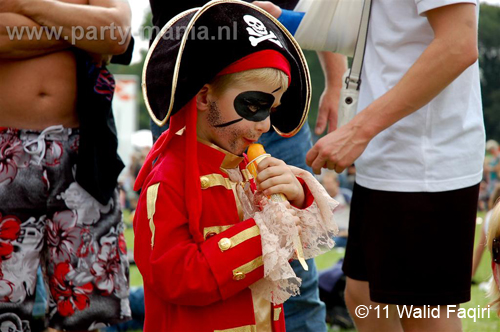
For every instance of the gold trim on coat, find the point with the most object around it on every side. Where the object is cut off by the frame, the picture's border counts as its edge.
(212, 180)
(244, 235)
(246, 328)
(152, 195)
(277, 313)
(249, 267)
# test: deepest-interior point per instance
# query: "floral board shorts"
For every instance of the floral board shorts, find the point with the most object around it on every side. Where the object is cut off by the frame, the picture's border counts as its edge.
(48, 219)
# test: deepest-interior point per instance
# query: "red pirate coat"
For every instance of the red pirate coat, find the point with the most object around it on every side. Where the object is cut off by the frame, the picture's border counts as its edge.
(192, 286)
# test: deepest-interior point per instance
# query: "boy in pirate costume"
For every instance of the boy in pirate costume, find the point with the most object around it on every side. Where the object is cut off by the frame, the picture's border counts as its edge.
(213, 249)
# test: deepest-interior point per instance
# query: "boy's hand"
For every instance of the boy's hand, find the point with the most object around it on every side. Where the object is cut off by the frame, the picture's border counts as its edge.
(275, 177)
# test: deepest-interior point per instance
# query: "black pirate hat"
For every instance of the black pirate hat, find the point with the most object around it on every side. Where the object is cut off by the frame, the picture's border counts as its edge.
(193, 47)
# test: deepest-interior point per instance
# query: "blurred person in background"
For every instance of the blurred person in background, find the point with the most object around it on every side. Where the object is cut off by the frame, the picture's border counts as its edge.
(492, 165)
(329, 180)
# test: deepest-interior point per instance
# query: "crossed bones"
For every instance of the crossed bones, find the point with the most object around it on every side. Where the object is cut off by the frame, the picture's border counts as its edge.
(261, 37)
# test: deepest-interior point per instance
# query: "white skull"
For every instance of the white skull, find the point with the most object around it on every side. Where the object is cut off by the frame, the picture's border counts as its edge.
(255, 24)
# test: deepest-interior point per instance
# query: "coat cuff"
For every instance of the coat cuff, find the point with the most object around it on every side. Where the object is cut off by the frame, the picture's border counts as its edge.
(308, 197)
(235, 257)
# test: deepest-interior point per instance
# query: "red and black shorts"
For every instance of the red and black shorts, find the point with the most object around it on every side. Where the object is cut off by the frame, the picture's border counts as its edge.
(413, 248)
(47, 219)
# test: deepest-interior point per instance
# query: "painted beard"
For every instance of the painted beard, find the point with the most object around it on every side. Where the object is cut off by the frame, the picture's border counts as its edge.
(230, 134)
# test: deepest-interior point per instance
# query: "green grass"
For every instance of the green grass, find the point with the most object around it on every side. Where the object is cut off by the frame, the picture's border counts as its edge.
(135, 275)
(478, 297)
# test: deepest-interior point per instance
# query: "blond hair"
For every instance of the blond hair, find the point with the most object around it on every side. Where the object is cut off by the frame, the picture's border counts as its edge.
(271, 76)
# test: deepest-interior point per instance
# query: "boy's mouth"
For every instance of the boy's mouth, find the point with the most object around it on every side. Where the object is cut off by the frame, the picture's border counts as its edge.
(250, 141)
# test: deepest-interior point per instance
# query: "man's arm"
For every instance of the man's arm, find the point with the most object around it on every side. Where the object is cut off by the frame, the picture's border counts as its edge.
(334, 66)
(21, 46)
(453, 50)
(102, 27)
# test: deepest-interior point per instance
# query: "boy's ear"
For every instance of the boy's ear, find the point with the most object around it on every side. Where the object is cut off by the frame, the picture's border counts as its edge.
(202, 103)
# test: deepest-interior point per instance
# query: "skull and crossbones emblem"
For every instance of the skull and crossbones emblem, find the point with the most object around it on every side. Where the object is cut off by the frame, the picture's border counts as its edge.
(258, 31)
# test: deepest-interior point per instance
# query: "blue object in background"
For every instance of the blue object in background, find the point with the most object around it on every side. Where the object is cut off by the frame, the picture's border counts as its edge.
(291, 20)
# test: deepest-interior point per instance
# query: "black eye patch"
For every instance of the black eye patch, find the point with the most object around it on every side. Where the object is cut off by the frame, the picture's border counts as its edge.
(254, 105)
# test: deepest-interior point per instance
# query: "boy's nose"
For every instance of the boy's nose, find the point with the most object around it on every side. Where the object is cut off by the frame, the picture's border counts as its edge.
(264, 125)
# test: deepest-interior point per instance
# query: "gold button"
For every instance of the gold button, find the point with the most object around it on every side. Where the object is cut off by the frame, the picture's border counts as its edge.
(238, 276)
(224, 244)
(205, 182)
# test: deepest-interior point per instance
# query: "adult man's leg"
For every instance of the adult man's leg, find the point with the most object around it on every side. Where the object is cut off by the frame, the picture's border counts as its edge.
(449, 322)
(357, 298)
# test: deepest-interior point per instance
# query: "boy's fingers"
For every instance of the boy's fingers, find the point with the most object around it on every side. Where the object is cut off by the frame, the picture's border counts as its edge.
(271, 172)
(268, 162)
(274, 181)
(278, 189)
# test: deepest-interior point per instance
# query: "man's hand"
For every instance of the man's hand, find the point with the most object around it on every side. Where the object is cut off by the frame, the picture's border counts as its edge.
(10, 6)
(268, 6)
(328, 110)
(334, 66)
(339, 149)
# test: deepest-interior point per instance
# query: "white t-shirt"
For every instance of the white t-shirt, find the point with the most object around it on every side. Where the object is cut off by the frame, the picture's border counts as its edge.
(437, 148)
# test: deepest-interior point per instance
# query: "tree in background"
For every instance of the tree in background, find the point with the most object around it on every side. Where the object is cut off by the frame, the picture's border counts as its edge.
(489, 61)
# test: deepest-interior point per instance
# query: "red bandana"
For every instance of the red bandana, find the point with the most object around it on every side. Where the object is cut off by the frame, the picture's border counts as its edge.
(261, 59)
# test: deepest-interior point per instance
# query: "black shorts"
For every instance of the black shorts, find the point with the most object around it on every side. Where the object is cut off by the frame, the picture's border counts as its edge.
(412, 248)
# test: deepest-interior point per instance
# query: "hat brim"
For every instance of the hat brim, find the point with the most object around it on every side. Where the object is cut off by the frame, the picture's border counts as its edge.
(184, 57)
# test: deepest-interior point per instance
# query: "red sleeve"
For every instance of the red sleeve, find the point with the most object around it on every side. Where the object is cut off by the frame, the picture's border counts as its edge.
(308, 197)
(183, 272)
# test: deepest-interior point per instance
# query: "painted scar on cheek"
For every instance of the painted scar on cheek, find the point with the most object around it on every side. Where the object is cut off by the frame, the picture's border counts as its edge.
(228, 123)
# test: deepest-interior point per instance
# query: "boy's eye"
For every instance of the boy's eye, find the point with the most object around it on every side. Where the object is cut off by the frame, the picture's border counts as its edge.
(254, 105)
(253, 108)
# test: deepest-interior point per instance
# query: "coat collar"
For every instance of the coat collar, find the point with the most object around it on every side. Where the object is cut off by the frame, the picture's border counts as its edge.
(226, 159)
